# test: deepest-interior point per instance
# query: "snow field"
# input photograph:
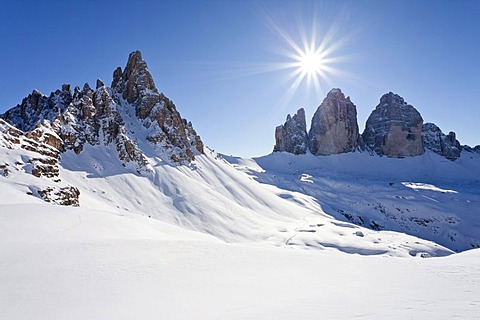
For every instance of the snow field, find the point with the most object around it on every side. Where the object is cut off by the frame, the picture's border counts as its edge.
(105, 266)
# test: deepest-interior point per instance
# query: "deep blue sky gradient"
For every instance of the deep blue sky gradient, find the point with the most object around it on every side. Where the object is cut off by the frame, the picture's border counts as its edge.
(207, 56)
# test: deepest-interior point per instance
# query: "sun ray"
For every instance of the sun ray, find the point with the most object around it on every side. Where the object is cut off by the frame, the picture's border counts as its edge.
(309, 46)
(312, 57)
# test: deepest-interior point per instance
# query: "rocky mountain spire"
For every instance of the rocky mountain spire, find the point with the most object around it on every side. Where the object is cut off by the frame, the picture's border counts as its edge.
(99, 117)
(445, 145)
(292, 136)
(394, 128)
(159, 113)
(334, 126)
(136, 85)
(37, 107)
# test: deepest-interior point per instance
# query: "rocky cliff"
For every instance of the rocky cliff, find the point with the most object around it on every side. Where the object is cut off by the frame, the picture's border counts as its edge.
(127, 116)
(34, 153)
(445, 145)
(394, 128)
(159, 114)
(292, 136)
(475, 149)
(334, 126)
(98, 117)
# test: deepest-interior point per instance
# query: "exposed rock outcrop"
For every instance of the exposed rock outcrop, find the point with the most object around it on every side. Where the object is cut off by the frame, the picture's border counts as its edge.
(167, 128)
(475, 149)
(37, 107)
(334, 126)
(66, 196)
(40, 158)
(444, 145)
(133, 109)
(292, 136)
(136, 84)
(394, 128)
(98, 117)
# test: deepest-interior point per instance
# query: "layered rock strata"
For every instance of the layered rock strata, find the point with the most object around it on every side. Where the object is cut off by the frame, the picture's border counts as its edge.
(394, 128)
(97, 117)
(292, 136)
(127, 116)
(445, 145)
(40, 158)
(334, 126)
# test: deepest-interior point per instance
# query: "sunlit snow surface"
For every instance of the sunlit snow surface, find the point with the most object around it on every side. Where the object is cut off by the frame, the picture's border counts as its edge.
(232, 238)
(426, 196)
(64, 263)
(426, 186)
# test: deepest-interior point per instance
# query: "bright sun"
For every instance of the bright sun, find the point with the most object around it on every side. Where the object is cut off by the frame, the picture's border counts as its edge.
(312, 52)
(310, 63)
(312, 57)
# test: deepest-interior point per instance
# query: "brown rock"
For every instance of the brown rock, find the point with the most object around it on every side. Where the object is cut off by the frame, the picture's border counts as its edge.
(66, 196)
(292, 136)
(394, 128)
(334, 126)
(445, 145)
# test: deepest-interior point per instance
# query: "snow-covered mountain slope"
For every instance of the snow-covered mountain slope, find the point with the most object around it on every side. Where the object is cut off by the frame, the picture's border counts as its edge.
(125, 148)
(112, 208)
(426, 196)
(81, 263)
(208, 195)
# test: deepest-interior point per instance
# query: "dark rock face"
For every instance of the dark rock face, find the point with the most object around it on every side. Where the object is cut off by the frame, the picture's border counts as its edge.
(444, 145)
(99, 83)
(475, 149)
(98, 117)
(334, 126)
(136, 82)
(37, 107)
(394, 128)
(292, 136)
(159, 113)
(66, 196)
(40, 158)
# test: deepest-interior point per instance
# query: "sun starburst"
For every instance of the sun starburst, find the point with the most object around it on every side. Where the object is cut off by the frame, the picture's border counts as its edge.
(312, 53)
(310, 63)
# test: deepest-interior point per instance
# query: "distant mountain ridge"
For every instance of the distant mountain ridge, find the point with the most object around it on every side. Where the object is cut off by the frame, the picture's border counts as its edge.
(394, 129)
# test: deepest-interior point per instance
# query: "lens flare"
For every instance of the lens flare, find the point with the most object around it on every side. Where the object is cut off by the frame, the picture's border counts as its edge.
(310, 63)
(311, 53)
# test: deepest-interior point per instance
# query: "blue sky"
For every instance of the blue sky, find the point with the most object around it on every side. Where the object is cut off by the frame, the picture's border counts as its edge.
(219, 60)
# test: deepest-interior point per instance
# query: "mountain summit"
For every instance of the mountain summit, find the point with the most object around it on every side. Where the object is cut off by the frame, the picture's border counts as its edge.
(129, 113)
(395, 129)
(334, 126)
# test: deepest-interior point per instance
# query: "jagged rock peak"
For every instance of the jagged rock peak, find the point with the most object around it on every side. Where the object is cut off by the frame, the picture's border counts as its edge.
(117, 77)
(475, 149)
(292, 136)
(445, 145)
(99, 84)
(97, 117)
(136, 80)
(394, 128)
(36, 106)
(335, 92)
(334, 126)
(159, 113)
